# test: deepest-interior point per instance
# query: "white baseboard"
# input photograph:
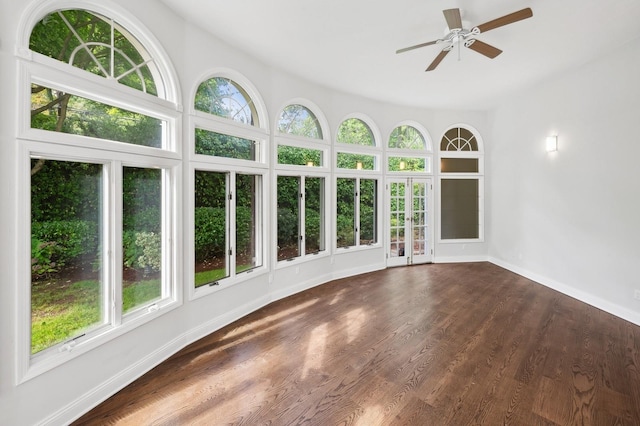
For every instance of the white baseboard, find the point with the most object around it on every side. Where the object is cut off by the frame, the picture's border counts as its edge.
(590, 299)
(459, 259)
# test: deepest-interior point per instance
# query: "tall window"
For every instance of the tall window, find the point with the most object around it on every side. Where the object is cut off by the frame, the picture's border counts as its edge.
(228, 216)
(408, 150)
(101, 229)
(300, 183)
(461, 187)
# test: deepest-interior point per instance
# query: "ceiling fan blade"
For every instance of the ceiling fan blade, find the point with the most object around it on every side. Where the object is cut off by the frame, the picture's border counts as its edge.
(454, 20)
(429, 43)
(437, 60)
(485, 49)
(506, 20)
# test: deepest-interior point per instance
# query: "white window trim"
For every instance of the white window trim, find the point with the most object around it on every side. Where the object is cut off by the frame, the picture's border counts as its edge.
(31, 366)
(358, 175)
(36, 68)
(479, 154)
(233, 278)
(311, 172)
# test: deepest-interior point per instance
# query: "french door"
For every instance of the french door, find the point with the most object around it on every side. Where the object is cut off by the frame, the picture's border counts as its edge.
(409, 236)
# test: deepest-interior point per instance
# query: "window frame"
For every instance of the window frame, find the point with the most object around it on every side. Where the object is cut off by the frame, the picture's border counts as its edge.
(426, 153)
(210, 163)
(479, 176)
(358, 177)
(36, 68)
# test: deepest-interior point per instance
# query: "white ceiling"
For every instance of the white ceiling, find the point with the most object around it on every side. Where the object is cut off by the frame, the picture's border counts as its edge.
(350, 45)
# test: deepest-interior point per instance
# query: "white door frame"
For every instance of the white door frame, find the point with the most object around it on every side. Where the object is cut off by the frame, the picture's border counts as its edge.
(419, 251)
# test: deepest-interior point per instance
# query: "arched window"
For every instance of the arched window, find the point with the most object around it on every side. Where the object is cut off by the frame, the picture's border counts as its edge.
(100, 150)
(355, 132)
(228, 204)
(298, 120)
(461, 185)
(458, 139)
(99, 45)
(357, 154)
(225, 98)
(408, 150)
(406, 137)
(301, 178)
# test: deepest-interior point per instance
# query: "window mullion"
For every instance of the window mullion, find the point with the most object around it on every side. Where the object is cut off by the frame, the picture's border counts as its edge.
(114, 227)
(303, 221)
(231, 223)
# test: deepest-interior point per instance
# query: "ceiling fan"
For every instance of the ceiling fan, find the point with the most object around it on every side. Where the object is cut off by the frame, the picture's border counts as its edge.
(458, 35)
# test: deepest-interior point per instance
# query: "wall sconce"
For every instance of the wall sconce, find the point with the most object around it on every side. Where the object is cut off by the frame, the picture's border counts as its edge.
(552, 143)
(358, 165)
(403, 165)
(310, 163)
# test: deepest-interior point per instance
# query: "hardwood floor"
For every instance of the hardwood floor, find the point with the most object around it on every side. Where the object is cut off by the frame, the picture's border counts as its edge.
(442, 344)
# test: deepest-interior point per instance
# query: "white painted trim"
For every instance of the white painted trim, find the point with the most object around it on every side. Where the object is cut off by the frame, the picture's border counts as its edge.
(597, 302)
(460, 259)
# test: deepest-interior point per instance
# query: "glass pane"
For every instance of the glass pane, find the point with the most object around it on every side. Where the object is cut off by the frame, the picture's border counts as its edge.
(346, 212)
(299, 120)
(368, 211)
(211, 227)
(459, 165)
(408, 164)
(397, 217)
(66, 259)
(297, 156)
(406, 137)
(460, 209)
(351, 161)
(221, 145)
(288, 217)
(57, 111)
(419, 218)
(356, 132)
(84, 40)
(248, 222)
(225, 98)
(458, 139)
(314, 215)
(141, 237)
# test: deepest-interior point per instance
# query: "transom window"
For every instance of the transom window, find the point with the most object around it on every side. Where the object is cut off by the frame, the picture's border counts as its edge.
(458, 139)
(408, 151)
(223, 97)
(298, 120)
(355, 132)
(406, 137)
(98, 45)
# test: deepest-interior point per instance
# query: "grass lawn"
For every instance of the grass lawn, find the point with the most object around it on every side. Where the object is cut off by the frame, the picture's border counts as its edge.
(61, 309)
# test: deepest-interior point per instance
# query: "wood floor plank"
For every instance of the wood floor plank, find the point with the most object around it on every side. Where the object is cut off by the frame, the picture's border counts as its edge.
(446, 344)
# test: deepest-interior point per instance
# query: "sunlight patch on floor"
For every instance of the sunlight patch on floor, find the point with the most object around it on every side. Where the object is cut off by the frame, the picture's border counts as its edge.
(315, 350)
(372, 416)
(356, 319)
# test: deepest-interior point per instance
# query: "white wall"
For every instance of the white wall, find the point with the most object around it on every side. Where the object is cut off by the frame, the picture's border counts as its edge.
(570, 219)
(67, 391)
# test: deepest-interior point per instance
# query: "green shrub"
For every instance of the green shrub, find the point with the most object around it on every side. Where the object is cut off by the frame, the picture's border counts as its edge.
(210, 232)
(66, 243)
(41, 254)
